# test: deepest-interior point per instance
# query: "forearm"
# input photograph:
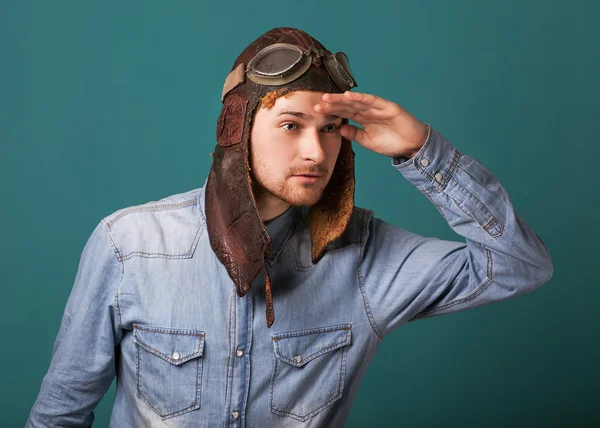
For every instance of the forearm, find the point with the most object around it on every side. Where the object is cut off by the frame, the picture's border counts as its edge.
(477, 206)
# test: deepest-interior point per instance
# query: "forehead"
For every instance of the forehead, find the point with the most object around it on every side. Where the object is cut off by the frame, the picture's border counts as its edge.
(298, 98)
(297, 103)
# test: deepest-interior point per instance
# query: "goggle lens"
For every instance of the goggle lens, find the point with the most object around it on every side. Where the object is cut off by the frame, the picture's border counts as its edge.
(281, 63)
(276, 60)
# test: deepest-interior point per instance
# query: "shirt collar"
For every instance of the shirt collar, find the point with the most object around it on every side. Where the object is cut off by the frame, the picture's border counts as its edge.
(279, 229)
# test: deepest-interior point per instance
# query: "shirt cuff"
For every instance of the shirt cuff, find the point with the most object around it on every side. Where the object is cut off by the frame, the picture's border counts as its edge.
(433, 165)
(396, 160)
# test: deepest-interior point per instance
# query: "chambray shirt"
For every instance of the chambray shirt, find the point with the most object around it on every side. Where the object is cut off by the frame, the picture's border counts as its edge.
(152, 305)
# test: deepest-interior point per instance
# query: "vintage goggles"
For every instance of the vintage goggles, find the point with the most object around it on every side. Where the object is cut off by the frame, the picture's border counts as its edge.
(281, 63)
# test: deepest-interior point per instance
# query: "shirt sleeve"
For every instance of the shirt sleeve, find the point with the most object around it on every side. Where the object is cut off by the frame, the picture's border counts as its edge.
(405, 276)
(83, 357)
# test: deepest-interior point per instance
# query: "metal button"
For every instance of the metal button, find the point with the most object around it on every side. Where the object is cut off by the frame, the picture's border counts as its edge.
(239, 353)
(176, 355)
(424, 162)
(235, 414)
(438, 176)
(298, 359)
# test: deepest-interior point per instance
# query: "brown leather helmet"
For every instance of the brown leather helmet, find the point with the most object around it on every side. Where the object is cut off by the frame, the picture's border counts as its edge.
(236, 232)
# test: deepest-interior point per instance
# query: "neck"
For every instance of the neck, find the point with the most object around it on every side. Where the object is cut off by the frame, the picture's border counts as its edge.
(269, 206)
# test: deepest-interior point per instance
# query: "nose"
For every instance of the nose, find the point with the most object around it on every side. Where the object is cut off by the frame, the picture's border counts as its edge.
(311, 148)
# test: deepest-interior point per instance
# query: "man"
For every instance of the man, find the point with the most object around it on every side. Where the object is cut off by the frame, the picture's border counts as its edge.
(260, 298)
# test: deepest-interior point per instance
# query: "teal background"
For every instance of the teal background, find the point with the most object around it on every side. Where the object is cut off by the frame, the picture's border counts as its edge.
(110, 104)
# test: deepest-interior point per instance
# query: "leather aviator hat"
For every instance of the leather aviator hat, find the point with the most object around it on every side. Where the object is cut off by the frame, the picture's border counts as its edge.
(277, 63)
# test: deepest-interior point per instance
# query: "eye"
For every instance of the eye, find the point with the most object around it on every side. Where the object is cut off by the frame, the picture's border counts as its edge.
(331, 128)
(290, 126)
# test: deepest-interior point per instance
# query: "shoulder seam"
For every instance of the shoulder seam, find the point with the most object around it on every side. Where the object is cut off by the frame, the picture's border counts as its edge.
(117, 255)
(110, 220)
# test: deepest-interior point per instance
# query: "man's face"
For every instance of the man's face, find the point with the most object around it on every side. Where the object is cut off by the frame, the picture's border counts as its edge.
(289, 141)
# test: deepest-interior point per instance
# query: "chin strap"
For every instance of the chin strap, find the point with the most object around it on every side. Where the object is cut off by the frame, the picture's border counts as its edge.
(270, 312)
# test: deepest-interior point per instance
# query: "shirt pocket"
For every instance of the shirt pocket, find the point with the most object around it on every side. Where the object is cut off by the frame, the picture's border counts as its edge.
(169, 368)
(309, 370)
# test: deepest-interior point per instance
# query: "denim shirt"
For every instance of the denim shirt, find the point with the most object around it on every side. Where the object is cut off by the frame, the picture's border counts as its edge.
(152, 305)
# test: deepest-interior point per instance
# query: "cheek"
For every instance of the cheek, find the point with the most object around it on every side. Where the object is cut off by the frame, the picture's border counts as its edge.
(270, 152)
(333, 151)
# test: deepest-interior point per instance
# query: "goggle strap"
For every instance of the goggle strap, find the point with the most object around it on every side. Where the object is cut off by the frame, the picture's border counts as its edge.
(235, 78)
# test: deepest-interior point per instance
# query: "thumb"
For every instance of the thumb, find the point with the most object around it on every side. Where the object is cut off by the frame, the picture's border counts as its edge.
(352, 132)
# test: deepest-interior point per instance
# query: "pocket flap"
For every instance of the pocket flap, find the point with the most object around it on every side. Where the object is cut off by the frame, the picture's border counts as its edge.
(299, 347)
(173, 345)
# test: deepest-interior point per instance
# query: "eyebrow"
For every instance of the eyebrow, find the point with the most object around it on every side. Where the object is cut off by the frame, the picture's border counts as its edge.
(305, 116)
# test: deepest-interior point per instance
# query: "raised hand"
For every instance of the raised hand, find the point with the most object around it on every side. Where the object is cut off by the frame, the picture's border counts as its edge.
(387, 128)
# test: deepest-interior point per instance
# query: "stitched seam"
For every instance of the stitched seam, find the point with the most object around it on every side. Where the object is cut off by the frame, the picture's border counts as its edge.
(187, 254)
(173, 414)
(150, 208)
(447, 174)
(195, 404)
(156, 255)
(200, 365)
(475, 293)
(427, 194)
(467, 192)
(324, 405)
(196, 238)
(232, 329)
(482, 206)
(181, 332)
(367, 306)
(202, 216)
(299, 333)
(272, 382)
(247, 345)
(312, 356)
(117, 256)
(166, 357)
(139, 386)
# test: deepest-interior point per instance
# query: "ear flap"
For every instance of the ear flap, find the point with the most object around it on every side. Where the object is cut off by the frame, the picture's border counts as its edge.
(330, 216)
(230, 123)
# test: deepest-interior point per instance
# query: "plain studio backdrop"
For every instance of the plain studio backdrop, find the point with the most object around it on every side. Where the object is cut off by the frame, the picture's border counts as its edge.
(109, 104)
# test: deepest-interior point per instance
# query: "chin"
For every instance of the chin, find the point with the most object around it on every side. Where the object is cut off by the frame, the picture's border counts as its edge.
(302, 196)
(291, 193)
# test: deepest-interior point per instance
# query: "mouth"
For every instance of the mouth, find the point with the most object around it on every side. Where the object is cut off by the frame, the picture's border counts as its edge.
(309, 175)
(308, 178)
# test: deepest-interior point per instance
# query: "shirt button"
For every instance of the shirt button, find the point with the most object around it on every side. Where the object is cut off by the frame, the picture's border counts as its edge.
(298, 359)
(239, 353)
(424, 162)
(176, 355)
(438, 176)
(235, 414)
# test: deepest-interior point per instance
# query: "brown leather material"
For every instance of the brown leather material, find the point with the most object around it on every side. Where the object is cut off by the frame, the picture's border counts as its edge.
(232, 111)
(236, 232)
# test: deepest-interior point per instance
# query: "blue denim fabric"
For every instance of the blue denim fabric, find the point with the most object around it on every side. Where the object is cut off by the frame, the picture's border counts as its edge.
(153, 306)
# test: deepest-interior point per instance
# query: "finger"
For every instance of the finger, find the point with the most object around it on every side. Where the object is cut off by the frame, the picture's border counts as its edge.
(374, 101)
(338, 110)
(347, 103)
(352, 132)
(346, 110)
(358, 97)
